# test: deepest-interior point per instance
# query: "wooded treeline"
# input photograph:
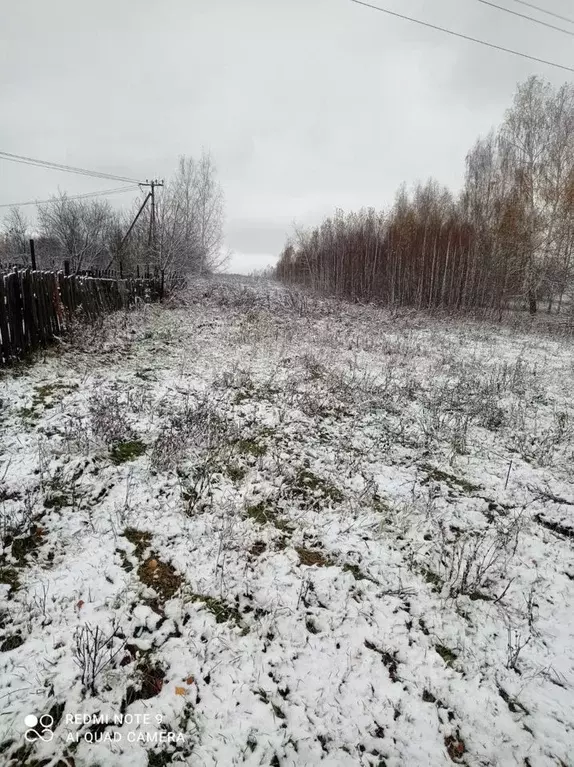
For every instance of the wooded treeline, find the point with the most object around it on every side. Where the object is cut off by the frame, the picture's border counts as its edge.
(183, 233)
(506, 240)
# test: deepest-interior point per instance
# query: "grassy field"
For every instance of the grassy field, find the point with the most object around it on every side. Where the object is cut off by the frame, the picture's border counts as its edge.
(261, 528)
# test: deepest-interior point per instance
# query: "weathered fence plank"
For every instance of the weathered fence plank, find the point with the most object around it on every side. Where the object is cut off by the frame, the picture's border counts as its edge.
(36, 306)
(5, 341)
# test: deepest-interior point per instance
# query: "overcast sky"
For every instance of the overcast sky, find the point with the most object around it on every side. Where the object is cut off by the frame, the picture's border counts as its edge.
(306, 105)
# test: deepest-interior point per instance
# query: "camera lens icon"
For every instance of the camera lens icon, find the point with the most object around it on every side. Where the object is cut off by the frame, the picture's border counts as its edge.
(39, 728)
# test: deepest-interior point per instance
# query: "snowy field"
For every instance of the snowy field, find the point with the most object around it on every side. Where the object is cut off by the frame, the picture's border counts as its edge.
(257, 528)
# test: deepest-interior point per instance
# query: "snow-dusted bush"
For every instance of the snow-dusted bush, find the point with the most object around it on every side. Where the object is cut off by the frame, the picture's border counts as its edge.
(467, 562)
(108, 417)
(95, 650)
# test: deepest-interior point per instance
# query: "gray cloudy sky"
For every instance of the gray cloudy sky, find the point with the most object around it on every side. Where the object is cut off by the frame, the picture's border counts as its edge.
(306, 105)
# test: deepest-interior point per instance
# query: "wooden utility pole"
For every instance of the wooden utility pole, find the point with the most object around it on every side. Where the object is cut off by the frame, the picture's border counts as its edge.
(152, 241)
(152, 223)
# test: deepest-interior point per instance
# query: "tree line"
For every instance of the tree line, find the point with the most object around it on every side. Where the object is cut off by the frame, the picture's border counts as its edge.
(182, 234)
(506, 240)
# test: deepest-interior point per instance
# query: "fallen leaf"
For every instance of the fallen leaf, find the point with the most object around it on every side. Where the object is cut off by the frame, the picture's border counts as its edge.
(189, 680)
(180, 691)
(152, 564)
(80, 604)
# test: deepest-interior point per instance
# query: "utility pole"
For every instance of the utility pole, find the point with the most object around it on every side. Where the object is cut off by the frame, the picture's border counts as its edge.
(152, 241)
(152, 223)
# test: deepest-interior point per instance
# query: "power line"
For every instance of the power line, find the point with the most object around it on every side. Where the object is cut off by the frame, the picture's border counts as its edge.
(543, 10)
(525, 16)
(464, 37)
(103, 193)
(65, 168)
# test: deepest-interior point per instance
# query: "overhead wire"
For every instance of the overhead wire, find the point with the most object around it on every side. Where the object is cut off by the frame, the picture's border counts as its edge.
(102, 193)
(544, 10)
(64, 168)
(529, 18)
(463, 36)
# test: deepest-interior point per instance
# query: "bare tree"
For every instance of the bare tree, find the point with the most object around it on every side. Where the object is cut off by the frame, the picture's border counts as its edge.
(537, 146)
(16, 235)
(508, 235)
(83, 229)
(209, 212)
(188, 219)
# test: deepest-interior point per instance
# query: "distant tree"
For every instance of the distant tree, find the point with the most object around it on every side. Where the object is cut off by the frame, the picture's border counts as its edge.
(189, 217)
(15, 245)
(83, 230)
(48, 253)
(537, 147)
(508, 234)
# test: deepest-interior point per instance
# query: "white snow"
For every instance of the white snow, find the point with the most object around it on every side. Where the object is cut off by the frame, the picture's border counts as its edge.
(283, 549)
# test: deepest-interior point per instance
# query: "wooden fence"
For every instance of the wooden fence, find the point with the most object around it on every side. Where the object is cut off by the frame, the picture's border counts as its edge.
(36, 306)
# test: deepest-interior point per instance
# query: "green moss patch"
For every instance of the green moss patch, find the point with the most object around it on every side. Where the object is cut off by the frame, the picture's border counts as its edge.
(127, 451)
(222, 611)
(43, 397)
(437, 475)
(264, 513)
(313, 491)
(251, 447)
(448, 655)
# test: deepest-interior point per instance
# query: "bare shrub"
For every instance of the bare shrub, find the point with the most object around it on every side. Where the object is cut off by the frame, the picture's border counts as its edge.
(200, 427)
(94, 651)
(434, 425)
(314, 369)
(235, 379)
(298, 302)
(254, 327)
(471, 561)
(225, 294)
(37, 603)
(196, 489)
(318, 404)
(18, 513)
(108, 417)
(77, 434)
(516, 642)
(517, 377)
(519, 636)
(535, 441)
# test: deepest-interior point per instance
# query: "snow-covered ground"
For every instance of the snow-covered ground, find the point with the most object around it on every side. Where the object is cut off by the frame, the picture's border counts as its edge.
(257, 528)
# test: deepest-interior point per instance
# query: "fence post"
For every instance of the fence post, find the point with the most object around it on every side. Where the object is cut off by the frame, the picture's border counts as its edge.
(161, 286)
(138, 271)
(33, 255)
(67, 268)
